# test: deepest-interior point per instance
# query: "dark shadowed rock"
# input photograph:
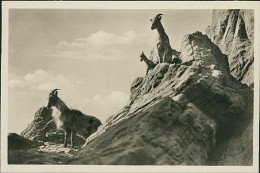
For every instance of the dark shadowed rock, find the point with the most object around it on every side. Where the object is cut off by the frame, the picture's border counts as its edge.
(179, 114)
(233, 31)
(238, 149)
(43, 128)
(25, 151)
(17, 142)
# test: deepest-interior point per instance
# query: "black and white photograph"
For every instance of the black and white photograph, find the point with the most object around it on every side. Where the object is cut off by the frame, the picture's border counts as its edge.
(107, 84)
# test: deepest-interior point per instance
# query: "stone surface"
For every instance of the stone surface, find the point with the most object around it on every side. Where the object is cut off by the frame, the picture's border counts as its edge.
(179, 114)
(233, 31)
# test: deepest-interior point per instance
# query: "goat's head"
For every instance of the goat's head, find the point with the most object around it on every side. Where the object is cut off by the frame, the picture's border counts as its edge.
(142, 56)
(156, 21)
(52, 99)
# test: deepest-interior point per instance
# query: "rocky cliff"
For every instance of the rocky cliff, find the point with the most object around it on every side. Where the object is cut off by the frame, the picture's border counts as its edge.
(194, 113)
(233, 31)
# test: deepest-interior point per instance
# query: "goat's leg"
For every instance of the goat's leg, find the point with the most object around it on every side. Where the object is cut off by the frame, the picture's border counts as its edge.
(164, 56)
(65, 139)
(160, 52)
(67, 133)
(160, 57)
(73, 134)
(159, 60)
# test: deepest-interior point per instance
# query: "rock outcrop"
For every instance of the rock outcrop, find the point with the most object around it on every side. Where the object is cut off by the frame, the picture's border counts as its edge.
(179, 114)
(43, 128)
(233, 31)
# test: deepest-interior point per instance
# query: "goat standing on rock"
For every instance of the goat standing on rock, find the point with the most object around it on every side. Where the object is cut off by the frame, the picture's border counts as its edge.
(149, 63)
(162, 42)
(67, 119)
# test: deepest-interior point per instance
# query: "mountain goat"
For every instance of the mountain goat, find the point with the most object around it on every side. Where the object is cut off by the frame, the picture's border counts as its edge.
(162, 41)
(149, 63)
(67, 119)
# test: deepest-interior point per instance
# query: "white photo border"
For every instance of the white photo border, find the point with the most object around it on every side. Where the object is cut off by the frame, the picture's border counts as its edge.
(6, 5)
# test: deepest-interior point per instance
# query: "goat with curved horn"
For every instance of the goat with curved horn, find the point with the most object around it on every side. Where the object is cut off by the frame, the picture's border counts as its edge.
(55, 91)
(158, 15)
(162, 41)
(67, 119)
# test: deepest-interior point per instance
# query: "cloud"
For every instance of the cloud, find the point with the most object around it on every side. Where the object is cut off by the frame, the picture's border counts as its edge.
(17, 83)
(104, 106)
(102, 38)
(99, 45)
(41, 80)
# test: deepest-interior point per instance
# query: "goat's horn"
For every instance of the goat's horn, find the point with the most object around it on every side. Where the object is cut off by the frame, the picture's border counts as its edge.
(158, 15)
(53, 91)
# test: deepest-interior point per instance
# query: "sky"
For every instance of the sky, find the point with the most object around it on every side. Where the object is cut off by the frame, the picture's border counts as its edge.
(92, 56)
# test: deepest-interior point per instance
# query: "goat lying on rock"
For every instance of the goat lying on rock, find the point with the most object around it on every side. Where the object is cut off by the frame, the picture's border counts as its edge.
(67, 119)
(149, 63)
(162, 42)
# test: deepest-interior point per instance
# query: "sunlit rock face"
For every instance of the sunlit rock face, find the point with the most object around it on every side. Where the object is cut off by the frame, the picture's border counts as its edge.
(191, 113)
(233, 32)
